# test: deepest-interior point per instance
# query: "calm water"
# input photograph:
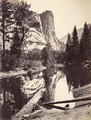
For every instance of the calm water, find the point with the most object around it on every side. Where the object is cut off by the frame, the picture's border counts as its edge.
(58, 84)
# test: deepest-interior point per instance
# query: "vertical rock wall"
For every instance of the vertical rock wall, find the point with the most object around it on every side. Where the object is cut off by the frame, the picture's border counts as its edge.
(47, 21)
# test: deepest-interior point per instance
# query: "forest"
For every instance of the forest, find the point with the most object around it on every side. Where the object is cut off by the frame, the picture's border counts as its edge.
(15, 23)
(14, 28)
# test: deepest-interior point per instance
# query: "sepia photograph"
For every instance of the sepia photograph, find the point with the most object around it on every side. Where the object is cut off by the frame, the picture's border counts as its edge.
(45, 59)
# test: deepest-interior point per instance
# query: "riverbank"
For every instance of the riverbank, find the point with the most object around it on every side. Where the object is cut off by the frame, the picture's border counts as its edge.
(82, 112)
(79, 113)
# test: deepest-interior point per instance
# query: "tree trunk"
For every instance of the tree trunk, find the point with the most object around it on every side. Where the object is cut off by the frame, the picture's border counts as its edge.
(3, 26)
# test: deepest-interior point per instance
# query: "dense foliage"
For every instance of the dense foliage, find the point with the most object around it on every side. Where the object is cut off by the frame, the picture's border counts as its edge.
(79, 51)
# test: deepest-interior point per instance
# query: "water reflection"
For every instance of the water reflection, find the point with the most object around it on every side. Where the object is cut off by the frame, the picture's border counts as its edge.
(77, 76)
(62, 92)
(58, 84)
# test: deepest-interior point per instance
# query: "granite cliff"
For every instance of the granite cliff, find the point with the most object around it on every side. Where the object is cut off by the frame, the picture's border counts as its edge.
(42, 31)
(47, 20)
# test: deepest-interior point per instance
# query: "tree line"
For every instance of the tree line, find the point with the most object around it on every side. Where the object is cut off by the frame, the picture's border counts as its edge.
(15, 23)
(78, 50)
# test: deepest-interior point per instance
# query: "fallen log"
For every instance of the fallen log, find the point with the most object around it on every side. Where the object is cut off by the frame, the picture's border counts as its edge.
(82, 92)
(69, 101)
(29, 106)
(6, 75)
(57, 107)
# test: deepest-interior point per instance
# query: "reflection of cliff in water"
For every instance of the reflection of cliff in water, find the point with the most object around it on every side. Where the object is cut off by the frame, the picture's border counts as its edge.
(57, 85)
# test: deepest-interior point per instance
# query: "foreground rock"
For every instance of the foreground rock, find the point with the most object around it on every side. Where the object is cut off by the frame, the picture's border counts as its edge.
(80, 113)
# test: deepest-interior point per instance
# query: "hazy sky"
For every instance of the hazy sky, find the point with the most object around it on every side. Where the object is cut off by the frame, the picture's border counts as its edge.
(67, 13)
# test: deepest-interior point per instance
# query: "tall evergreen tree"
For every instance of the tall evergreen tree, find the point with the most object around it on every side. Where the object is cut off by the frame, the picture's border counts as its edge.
(16, 43)
(21, 15)
(68, 49)
(75, 45)
(75, 38)
(6, 20)
(84, 44)
(72, 48)
(89, 49)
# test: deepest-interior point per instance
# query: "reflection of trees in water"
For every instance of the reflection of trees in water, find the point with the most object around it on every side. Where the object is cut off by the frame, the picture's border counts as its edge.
(77, 76)
(14, 98)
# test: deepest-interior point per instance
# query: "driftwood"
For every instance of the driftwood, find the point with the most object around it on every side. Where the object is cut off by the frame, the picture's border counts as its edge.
(57, 107)
(69, 101)
(82, 92)
(27, 109)
(12, 74)
(5, 75)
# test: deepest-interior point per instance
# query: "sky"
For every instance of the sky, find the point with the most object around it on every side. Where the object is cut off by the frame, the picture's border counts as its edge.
(67, 13)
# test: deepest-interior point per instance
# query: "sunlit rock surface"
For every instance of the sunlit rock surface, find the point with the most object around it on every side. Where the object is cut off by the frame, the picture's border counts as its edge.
(30, 87)
(47, 20)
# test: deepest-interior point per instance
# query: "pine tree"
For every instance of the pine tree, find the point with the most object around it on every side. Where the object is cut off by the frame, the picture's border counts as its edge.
(72, 48)
(84, 44)
(68, 49)
(6, 20)
(21, 29)
(75, 46)
(75, 38)
(16, 44)
(21, 16)
(89, 49)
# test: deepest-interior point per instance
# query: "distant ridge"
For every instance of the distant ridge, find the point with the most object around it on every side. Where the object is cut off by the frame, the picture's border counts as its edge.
(80, 31)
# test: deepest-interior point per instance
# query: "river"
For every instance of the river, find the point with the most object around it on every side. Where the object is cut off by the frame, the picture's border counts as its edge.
(58, 85)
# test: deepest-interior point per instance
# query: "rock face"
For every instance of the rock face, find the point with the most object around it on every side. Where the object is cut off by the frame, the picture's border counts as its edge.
(35, 37)
(42, 34)
(47, 20)
(42, 31)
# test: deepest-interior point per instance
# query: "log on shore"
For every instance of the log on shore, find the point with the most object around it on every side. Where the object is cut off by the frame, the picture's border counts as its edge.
(82, 92)
(87, 98)
(29, 106)
(7, 75)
